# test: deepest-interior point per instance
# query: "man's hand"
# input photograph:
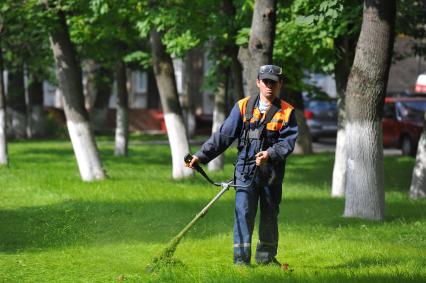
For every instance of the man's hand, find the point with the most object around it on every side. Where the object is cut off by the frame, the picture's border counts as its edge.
(261, 158)
(193, 162)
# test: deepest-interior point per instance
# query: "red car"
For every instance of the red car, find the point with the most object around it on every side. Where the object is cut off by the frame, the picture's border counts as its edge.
(403, 122)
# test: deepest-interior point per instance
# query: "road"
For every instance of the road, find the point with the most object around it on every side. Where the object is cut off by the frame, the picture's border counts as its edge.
(329, 145)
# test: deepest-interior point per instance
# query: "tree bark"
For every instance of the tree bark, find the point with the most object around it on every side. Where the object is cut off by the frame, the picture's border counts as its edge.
(304, 139)
(122, 116)
(219, 116)
(35, 104)
(193, 81)
(16, 102)
(364, 105)
(261, 43)
(166, 83)
(418, 181)
(341, 74)
(69, 76)
(89, 69)
(98, 114)
(3, 137)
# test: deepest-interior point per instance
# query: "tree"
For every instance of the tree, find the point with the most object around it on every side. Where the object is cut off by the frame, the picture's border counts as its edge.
(341, 72)
(35, 106)
(166, 83)
(193, 81)
(122, 116)
(261, 42)
(219, 114)
(365, 95)
(103, 87)
(3, 137)
(70, 82)
(418, 181)
(16, 102)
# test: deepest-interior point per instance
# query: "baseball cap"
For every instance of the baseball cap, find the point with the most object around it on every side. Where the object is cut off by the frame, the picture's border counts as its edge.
(270, 72)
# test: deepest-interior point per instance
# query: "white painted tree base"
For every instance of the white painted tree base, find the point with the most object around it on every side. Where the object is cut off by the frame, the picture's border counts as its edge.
(178, 145)
(339, 169)
(85, 151)
(365, 173)
(3, 138)
(418, 181)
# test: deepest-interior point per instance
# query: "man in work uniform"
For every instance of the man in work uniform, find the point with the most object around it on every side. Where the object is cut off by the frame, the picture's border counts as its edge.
(264, 142)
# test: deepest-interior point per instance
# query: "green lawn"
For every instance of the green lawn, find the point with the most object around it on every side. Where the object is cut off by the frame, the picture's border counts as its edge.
(55, 228)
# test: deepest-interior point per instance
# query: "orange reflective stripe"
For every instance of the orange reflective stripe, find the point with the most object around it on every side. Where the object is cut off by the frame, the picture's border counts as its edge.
(242, 105)
(278, 120)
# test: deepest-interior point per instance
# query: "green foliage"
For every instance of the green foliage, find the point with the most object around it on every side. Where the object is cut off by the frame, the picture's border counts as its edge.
(305, 34)
(57, 228)
(24, 37)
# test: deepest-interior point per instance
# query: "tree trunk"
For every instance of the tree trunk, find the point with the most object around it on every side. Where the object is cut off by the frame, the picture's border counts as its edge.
(166, 83)
(418, 181)
(3, 138)
(89, 82)
(193, 81)
(99, 112)
(341, 73)
(261, 43)
(364, 100)
(122, 116)
(35, 104)
(219, 116)
(304, 139)
(69, 76)
(16, 102)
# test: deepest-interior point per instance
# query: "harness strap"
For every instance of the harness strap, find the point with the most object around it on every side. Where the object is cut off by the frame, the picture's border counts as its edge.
(260, 131)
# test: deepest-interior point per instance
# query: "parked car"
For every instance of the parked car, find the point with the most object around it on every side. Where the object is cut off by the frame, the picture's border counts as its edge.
(321, 117)
(403, 121)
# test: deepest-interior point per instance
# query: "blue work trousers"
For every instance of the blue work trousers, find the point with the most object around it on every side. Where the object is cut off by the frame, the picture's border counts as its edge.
(246, 201)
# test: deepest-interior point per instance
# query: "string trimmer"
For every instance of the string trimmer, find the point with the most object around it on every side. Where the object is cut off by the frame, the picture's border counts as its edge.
(166, 255)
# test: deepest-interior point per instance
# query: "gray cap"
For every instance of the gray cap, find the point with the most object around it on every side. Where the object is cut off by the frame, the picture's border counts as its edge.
(270, 72)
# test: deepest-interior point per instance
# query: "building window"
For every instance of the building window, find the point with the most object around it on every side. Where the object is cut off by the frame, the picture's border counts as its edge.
(140, 80)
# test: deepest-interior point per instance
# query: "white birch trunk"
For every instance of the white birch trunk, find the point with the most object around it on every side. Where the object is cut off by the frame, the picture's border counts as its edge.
(3, 139)
(363, 152)
(85, 151)
(418, 181)
(176, 133)
(339, 169)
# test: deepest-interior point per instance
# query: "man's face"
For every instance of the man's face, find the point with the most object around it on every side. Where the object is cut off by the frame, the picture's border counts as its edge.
(269, 88)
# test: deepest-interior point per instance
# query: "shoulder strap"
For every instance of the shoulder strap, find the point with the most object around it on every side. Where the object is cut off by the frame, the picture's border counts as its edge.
(250, 107)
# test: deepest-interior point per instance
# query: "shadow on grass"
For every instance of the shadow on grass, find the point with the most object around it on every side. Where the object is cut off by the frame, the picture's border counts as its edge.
(98, 223)
(317, 170)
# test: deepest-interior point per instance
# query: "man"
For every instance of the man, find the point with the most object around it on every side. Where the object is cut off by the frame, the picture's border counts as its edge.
(264, 142)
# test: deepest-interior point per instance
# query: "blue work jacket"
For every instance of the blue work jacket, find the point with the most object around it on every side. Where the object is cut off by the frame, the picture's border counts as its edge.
(281, 133)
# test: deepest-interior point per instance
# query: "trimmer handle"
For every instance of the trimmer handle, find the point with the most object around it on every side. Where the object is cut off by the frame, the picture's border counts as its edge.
(188, 159)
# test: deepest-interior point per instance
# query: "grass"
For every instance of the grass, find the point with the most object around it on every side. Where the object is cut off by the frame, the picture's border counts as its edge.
(55, 228)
